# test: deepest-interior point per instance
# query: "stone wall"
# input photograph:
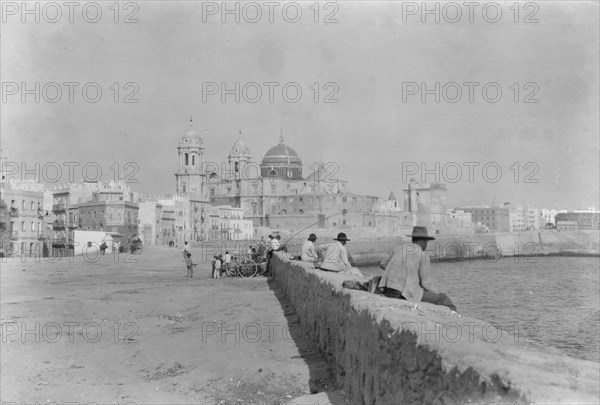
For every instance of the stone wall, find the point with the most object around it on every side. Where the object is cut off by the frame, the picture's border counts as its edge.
(487, 245)
(387, 351)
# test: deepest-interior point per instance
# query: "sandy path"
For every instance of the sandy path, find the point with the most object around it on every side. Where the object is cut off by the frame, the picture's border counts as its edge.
(138, 331)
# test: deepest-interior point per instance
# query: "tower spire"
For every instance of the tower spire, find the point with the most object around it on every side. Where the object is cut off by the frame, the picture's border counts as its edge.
(281, 135)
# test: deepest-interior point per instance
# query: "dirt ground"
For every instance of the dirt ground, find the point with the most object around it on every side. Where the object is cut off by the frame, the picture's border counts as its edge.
(134, 329)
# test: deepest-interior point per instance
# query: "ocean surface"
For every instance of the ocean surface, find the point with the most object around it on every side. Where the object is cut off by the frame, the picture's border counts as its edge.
(554, 301)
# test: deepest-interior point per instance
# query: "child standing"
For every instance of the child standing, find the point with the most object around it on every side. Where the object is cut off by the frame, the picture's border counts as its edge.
(189, 265)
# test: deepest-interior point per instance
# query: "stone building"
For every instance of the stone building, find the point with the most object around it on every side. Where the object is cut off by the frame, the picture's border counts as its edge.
(110, 211)
(576, 220)
(226, 222)
(274, 193)
(25, 230)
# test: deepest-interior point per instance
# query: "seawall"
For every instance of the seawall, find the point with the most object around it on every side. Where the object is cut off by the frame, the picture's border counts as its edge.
(487, 246)
(387, 351)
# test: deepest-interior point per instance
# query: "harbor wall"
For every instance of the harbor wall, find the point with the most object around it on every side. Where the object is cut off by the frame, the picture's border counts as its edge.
(385, 351)
(488, 246)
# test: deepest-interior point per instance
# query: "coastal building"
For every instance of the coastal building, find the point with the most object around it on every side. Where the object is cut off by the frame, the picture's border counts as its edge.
(24, 218)
(578, 219)
(489, 219)
(67, 200)
(150, 224)
(427, 203)
(226, 222)
(548, 216)
(110, 210)
(4, 221)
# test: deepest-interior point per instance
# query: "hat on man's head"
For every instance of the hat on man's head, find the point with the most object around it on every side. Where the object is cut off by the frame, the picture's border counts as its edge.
(341, 237)
(312, 237)
(420, 232)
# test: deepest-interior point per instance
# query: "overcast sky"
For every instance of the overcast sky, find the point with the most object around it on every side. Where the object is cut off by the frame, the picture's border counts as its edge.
(379, 132)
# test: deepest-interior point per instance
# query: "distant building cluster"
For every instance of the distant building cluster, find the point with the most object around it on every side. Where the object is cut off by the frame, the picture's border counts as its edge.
(240, 199)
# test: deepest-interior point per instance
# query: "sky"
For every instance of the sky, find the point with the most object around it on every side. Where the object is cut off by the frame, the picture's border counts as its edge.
(516, 116)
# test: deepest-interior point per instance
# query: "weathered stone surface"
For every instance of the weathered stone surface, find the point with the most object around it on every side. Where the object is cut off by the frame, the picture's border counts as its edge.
(530, 243)
(387, 351)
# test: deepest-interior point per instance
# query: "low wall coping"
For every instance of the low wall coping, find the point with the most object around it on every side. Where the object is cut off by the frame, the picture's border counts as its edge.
(522, 370)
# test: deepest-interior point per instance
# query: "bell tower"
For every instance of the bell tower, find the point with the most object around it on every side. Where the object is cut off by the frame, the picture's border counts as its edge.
(189, 175)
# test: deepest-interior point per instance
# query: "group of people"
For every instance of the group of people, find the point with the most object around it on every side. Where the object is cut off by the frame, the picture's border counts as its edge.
(407, 269)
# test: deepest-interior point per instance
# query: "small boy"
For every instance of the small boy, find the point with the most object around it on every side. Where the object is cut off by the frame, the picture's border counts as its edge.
(218, 264)
(189, 265)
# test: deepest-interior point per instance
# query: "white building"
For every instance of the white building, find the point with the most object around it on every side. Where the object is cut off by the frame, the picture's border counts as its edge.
(226, 222)
(548, 216)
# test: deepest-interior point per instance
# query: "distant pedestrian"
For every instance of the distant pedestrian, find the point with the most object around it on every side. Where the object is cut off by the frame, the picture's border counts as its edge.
(185, 250)
(103, 248)
(218, 266)
(189, 265)
(408, 272)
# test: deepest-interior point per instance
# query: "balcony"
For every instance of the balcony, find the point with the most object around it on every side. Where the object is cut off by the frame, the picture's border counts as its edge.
(14, 212)
(40, 213)
(14, 235)
(59, 207)
(58, 224)
(72, 224)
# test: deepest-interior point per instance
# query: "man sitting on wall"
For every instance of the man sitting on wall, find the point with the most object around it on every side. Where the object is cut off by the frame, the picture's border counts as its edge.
(408, 272)
(336, 257)
(309, 251)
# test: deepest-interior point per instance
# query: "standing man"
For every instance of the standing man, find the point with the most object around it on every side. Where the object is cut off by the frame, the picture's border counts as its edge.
(309, 251)
(185, 250)
(408, 272)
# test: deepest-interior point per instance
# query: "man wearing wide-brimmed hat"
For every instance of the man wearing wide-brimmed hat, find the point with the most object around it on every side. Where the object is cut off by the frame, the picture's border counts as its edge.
(309, 251)
(408, 272)
(336, 257)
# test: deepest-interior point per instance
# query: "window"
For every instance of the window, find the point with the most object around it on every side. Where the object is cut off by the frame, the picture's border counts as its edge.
(23, 204)
(32, 226)
(273, 189)
(344, 222)
(23, 225)
(89, 244)
(343, 199)
(186, 159)
(32, 206)
(183, 189)
(193, 160)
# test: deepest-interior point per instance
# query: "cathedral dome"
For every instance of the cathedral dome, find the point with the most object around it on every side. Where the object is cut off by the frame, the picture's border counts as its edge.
(281, 161)
(281, 153)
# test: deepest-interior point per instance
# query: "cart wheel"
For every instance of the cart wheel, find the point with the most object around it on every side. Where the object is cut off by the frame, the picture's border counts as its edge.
(247, 268)
(231, 272)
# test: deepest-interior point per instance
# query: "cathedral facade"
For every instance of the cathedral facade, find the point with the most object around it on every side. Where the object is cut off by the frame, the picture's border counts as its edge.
(273, 192)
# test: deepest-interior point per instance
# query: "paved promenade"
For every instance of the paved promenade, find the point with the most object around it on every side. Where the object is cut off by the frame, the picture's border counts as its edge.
(137, 331)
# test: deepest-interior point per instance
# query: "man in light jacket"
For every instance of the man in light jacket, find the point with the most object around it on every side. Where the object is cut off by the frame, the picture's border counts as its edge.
(309, 252)
(408, 272)
(336, 257)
